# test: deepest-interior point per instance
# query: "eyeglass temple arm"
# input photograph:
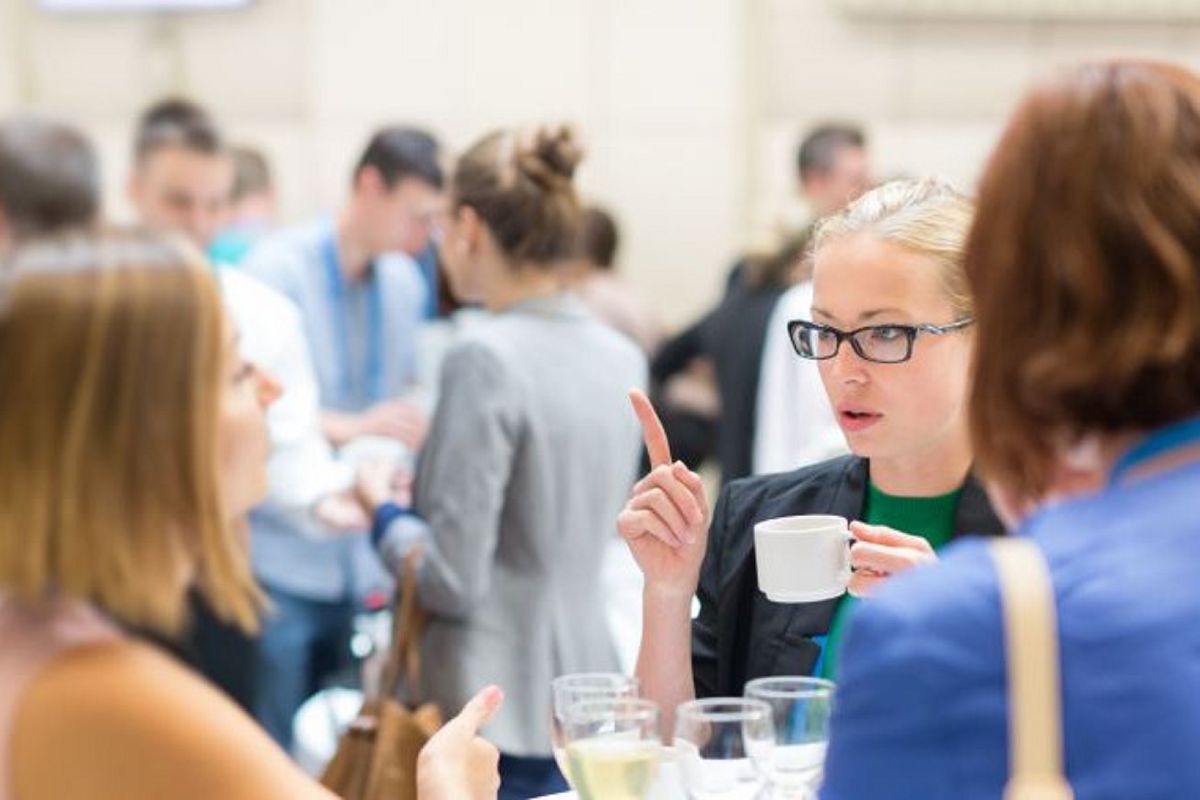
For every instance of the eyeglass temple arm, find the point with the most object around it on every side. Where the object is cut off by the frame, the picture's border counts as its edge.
(953, 326)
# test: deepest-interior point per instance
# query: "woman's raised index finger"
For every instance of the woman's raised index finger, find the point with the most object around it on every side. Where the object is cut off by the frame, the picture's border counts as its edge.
(655, 437)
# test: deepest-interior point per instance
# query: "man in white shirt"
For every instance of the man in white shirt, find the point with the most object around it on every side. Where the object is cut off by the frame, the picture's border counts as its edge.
(181, 181)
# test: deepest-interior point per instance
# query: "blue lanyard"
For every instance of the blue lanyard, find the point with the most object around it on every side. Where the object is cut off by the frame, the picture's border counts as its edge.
(1172, 437)
(337, 291)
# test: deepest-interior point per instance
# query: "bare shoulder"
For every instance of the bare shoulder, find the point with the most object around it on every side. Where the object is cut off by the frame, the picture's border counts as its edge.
(123, 720)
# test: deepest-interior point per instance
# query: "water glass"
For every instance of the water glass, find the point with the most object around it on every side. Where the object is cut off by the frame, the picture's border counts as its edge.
(716, 741)
(613, 748)
(800, 710)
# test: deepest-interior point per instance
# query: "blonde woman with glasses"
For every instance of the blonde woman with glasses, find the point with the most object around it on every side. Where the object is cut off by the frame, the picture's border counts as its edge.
(891, 333)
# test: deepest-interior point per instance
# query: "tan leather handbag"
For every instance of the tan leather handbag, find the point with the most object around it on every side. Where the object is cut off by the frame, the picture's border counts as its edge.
(376, 758)
(1034, 685)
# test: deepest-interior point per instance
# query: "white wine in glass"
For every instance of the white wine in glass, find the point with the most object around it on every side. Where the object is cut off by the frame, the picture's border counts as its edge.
(613, 748)
(614, 768)
(567, 690)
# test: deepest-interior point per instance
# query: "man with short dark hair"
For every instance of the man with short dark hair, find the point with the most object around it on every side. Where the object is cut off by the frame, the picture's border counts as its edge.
(182, 174)
(833, 167)
(363, 299)
(358, 288)
(49, 179)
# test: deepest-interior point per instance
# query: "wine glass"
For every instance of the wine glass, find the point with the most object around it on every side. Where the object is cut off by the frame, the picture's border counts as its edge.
(613, 748)
(800, 708)
(567, 690)
(715, 740)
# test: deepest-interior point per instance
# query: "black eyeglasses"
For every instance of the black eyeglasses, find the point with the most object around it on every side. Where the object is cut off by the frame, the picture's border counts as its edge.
(883, 344)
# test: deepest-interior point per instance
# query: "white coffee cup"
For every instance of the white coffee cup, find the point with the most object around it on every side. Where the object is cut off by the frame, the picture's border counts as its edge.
(803, 559)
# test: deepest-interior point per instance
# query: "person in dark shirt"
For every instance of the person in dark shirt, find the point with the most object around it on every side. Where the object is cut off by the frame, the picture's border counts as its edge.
(833, 169)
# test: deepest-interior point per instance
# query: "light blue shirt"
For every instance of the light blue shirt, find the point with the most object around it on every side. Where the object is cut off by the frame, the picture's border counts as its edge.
(358, 361)
(363, 335)
(921, 711)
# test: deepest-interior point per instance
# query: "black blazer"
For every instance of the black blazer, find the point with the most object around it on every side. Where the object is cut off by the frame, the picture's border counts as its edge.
(740, 634)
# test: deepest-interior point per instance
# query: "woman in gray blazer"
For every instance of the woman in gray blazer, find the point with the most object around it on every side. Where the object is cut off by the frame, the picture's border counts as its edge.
(529, 459)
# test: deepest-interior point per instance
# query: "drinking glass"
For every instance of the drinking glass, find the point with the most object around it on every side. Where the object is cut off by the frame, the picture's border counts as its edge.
(613, 748)
(800, 709)
(715, 740)
(568, 690)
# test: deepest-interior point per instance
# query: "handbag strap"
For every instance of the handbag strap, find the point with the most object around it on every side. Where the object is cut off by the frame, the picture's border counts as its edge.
(1034, 685)
(403, 664)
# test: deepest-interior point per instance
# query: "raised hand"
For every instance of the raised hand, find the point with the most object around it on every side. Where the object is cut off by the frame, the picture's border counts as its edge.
(666, 518)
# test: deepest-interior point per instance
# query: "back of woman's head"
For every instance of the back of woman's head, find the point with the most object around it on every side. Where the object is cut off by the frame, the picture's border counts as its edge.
(1086, 265)
(111, 350)
(925, 216)
(521, 186)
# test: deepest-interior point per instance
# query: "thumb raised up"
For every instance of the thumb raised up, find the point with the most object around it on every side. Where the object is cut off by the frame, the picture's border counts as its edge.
(477, 713)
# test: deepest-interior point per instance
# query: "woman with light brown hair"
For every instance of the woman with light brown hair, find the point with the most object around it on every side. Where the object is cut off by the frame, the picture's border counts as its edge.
(132, 442)
(1085, 410)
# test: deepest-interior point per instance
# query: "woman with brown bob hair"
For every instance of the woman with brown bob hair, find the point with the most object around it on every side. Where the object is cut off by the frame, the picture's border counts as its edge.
(132, 442)
(1085, 264)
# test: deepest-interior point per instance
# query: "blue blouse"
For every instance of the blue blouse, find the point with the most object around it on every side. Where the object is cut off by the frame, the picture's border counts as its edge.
(921, 711)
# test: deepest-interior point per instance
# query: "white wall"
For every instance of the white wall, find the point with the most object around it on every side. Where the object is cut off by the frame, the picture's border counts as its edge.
(654, 86)
(933, 95)
(691, 107)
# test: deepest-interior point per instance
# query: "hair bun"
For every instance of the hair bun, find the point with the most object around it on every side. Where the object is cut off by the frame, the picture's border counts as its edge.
(550, 156)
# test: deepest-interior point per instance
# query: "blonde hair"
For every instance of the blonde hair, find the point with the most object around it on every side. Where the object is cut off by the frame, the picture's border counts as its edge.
(111, 352)
(926, 216)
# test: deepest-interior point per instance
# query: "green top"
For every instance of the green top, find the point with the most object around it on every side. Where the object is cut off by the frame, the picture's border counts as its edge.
(931, 518)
